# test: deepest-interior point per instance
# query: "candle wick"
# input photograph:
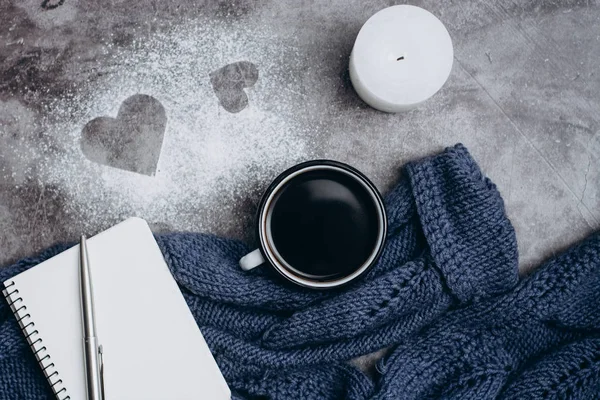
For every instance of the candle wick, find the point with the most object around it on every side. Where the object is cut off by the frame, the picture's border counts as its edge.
(400, 58)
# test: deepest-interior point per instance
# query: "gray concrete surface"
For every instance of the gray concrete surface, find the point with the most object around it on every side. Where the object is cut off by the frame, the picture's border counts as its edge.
(249, 88)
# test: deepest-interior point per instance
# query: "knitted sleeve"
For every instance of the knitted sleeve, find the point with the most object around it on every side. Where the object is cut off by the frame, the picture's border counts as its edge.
(540, 341)
(462, 216)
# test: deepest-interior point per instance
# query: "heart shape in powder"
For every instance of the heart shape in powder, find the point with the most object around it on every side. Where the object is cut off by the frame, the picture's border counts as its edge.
(132, 141)
(229, 82)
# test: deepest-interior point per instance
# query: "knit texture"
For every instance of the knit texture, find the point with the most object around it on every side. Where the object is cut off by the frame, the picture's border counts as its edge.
(445, 295)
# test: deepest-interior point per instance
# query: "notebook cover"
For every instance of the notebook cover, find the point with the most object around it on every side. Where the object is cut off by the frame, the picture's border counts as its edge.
(152, 346)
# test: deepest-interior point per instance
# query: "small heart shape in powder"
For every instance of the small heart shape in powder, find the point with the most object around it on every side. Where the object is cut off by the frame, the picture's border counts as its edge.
(132, 141)
(229, 82)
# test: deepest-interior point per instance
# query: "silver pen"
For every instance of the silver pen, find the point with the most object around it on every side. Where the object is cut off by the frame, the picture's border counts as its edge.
(92, 351)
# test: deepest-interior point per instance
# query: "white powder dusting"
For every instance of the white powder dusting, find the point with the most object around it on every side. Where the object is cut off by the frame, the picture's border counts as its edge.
(209, 157)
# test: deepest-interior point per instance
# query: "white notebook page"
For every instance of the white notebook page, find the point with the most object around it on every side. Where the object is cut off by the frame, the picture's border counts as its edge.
(153, 348)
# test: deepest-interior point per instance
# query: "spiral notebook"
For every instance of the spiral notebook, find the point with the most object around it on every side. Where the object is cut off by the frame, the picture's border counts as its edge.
(152, 347)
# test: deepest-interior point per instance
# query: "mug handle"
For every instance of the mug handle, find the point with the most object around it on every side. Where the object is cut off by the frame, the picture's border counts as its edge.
(252, 260)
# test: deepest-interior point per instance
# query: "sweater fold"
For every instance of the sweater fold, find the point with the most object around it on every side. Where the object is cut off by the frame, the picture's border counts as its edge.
(497, 342)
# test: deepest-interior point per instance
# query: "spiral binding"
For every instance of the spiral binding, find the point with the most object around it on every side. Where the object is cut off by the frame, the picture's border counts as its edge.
(19, 309)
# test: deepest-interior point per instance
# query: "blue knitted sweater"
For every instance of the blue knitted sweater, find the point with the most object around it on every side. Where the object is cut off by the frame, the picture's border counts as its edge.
(445, 296)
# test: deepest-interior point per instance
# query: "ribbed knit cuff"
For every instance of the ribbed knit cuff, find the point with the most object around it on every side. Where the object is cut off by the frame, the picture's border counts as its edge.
(462, 215)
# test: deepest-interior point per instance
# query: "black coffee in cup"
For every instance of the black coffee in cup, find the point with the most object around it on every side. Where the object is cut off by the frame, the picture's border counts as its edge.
(324, 224)
(321, 224)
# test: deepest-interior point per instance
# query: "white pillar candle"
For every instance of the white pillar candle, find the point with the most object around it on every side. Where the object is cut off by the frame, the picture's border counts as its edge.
(402, 56)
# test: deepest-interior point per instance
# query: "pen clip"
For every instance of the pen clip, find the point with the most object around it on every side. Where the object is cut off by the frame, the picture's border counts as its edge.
(101, 356)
